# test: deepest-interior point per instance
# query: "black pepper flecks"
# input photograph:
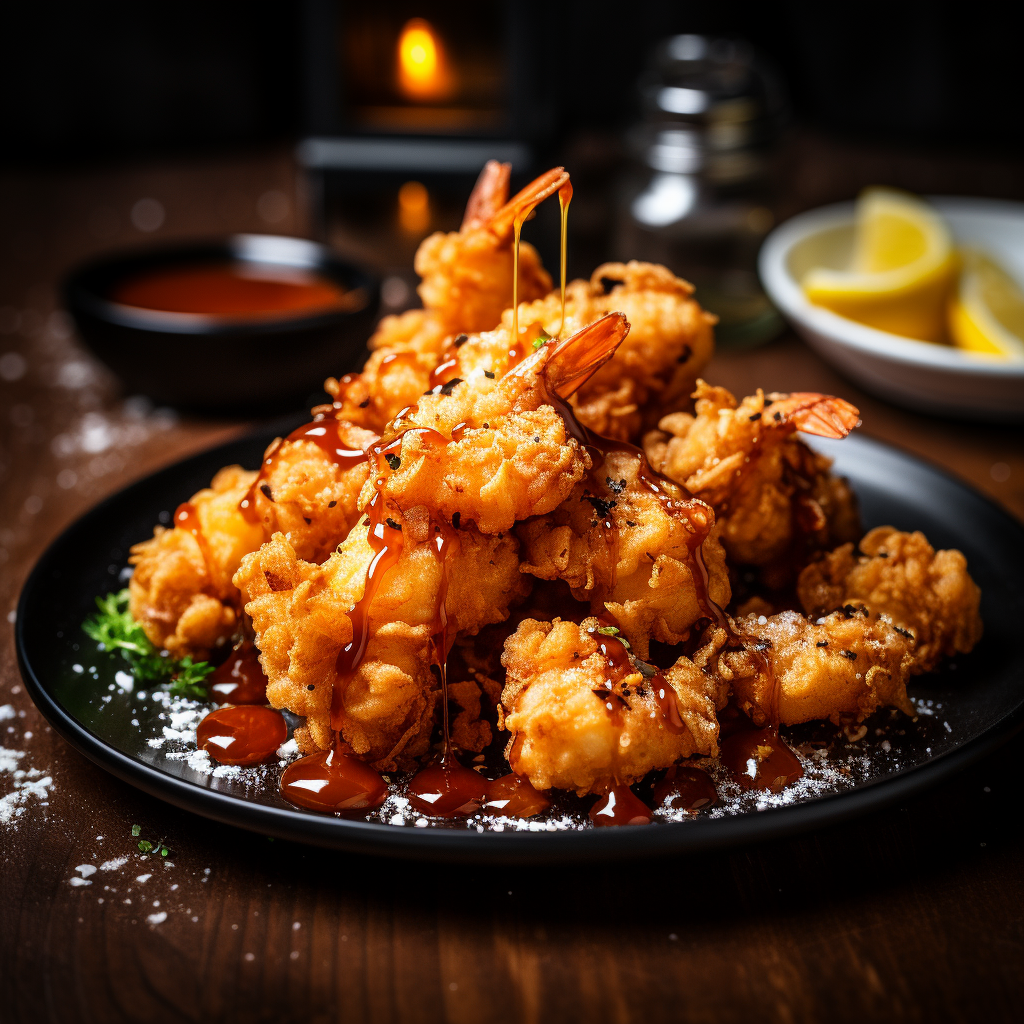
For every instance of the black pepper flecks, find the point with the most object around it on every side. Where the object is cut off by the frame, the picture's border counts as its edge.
(821, 643)
(331, 504)
(446, 389)
(602, 506)
(615, 486)
(364, 403)
(489, 374)
(461, 340)
(456, 519)
(849, 654)
(393, 460)
(265, 488)
(754, 417)
(392, 523)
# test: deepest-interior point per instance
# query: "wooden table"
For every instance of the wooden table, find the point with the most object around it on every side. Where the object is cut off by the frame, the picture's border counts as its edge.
(914, 914)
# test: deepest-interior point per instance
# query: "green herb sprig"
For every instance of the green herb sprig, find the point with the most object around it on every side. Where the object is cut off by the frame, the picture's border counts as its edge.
(114, 629)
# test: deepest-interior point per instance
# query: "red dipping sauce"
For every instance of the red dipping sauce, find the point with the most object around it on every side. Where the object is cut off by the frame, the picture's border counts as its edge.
(234, 291)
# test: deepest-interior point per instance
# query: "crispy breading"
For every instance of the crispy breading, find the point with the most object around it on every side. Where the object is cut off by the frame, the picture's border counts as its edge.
(466, 285)
(512, 455)
(653, 372)
(837, 667)
(181, 590)
(619, 548)
(925, 592)
(564, 734)
(309, 497)
(774, 498)
(404, 349)
(301, 615)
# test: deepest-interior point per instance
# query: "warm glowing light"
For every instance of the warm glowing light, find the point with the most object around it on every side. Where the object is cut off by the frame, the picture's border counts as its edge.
(423, 72)
(414, 208)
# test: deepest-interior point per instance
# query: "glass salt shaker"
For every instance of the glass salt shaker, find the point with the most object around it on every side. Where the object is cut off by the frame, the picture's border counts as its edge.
(699, 197)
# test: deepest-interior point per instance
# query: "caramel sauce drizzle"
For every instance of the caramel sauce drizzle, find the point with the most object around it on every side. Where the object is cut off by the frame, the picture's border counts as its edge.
(387, 544)
(564, 198)
(325, 434)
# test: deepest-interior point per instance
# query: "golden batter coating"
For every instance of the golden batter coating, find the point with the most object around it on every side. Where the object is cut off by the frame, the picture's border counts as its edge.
(838, 667)
(467, 274)
(618, 547)
(308, 496)
(772, 495)
(466, 285)
(181, 590)
(302, 615)
(670, 341)
(578, 724)
(495, 451)
(404, 349)
(926, 593)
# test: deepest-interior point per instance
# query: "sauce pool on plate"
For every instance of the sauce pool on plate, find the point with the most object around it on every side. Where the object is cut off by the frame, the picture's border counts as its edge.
(234, 291)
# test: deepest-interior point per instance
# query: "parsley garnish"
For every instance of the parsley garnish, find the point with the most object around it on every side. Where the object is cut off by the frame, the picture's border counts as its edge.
(114, 629)
(540, 339)
(614, 631)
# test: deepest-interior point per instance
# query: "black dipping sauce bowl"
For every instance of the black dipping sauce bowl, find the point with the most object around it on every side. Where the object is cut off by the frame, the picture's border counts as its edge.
(219, 363)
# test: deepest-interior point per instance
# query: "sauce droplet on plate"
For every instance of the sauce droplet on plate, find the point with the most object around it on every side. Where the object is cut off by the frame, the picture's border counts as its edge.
(514, 796)
(241, 735)
(332, 781)
(620, 806)
(760, 759)
(685, 788)
(447, 789)
(240, 679)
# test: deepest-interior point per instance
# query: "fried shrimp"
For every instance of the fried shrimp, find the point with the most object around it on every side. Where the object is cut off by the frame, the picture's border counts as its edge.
(583, 716)
(927, 595)
(838, 667)
(467, 274)
(670, 341)
(467, 284)
(307, 617)
(634, 548)
(309, 484)
(181, 590)
(772, 495)
(495, 451)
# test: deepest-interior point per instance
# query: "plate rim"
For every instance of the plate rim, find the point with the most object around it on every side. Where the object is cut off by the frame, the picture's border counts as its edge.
(468, 846)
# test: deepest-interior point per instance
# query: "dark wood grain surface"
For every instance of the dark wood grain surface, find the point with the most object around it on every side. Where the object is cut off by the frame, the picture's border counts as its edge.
(915, 914)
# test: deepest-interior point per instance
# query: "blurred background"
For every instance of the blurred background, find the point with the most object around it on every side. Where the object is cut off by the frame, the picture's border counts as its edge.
(690, 129)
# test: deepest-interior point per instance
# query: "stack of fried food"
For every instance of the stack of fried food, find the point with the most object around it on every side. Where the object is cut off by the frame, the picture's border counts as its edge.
(527, 488)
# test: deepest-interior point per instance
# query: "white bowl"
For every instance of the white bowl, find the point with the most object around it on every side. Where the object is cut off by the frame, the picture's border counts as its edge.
(933, 378)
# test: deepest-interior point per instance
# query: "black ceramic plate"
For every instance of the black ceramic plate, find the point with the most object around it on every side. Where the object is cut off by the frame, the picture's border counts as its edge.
(966, 710)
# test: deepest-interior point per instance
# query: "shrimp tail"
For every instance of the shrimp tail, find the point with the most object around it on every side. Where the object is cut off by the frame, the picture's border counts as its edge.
(523, 202)
(813, 413)
(571, 363)
(489, 195)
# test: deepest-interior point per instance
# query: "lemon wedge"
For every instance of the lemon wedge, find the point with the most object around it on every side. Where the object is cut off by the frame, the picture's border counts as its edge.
(986, 313)
(901, 271)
